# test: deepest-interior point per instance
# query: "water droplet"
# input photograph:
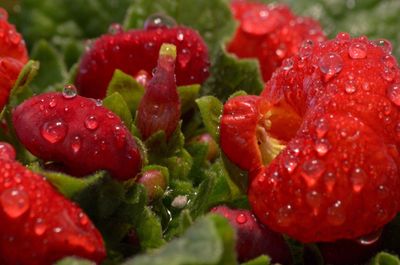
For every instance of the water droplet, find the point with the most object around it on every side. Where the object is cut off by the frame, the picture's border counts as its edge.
(393, 93)
(330, 64)
(306, 49)
(98, 102)
(343, 36)
(159, 20)
(115, 28)
(69, 91)
(14, 202)
(370, 238)
(284, 215)
(389, 74)
(83, 219)
(180, 36)
(335, 214)
(358, 178)
(385, 45)
(311, 171)
(314, 199)
(349, 87)
(358, 50)
(52, 103)
(184, 57)
(57, 230)
(91, 123)
(260, 21)
(241, 219)
(54, 131)
(287, 64)
(322, 146)
(290, 164)
(76, 144)
(40, 227)
(142, 77)
(321, 127)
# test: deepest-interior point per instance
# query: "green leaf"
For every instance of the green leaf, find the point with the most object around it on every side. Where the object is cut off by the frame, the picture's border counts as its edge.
(149, 230)
(188, 95)
(230, 74)
(69, 186)
(214, 22)
(52, 67)
(128, 87)
(261, 260)
(216, 189)
(21, 90)
(211, 111)
(116, 103)
(74, 261)
(384, 258)
(209, 241)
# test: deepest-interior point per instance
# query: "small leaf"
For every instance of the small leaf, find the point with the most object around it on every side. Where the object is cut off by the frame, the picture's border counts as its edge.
(211, 111)
(128, 87)
(230, 74)
(69, 186)
(188, 95)
(52, 67)
(74, 261)
(384, 258)
(116, 103)
(209, 241)
(261, 260)
(149, 231)
(21, 90)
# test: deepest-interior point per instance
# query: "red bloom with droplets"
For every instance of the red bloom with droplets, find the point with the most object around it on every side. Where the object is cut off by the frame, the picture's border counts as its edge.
(38, 225)
(13, 56)
(78, 133)
(252, 238)
(337, 175)
(137, 50)
(270, 33)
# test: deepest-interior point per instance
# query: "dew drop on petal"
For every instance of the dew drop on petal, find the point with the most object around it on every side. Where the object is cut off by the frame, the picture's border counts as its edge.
(330, 64)
(159, 20)
(322, 146)
(69, 91)
(393, 93)
(287, 64)
(241, 219)
(314, 199)
(284, 215)
(311, 171)
(350, 87)
(335, 214)
(260, 21)
(40, 227)
(321, 127)
(184, 57)
(370, 239)
(14, 202)
(306, 49)
(358, 178)
(54, 131)
(91, 123)
(358, 50)
(52, 103)
(115, 28)
(76, 144)
(385, 45)
(388, 74)
(290, 164)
